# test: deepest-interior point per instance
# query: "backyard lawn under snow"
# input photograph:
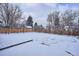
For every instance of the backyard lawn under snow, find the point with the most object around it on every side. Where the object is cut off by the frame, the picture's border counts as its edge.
(43, 44)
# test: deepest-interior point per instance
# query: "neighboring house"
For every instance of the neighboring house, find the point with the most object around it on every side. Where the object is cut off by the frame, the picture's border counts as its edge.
(66, 28)
(28, 27)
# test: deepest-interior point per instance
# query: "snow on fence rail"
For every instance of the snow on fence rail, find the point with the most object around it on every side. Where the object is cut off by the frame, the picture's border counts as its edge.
(69, 53)
(15, 45)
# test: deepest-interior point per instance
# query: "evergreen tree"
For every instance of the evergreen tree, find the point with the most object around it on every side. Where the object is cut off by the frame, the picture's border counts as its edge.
(35, 26)
(29, 21)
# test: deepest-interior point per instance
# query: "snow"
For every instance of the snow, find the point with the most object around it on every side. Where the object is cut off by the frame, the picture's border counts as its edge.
(28, 27)
(43, 44)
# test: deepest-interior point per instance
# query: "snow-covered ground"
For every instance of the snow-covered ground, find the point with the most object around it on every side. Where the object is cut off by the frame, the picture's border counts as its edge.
(43, 44)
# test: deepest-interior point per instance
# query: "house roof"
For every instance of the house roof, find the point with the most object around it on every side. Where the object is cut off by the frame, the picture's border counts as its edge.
(28, 27)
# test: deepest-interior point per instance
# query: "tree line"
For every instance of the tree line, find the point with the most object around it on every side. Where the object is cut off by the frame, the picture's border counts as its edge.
(63, 20)
(11, 13)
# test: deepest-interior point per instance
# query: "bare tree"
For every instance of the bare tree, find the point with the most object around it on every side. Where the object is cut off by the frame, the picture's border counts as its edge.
(10, 13)
(67, 17)
(53, 20)
(49, 20)
(55, 16)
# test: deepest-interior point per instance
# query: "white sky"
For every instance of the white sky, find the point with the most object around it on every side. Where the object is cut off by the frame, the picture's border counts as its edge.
(40, 11)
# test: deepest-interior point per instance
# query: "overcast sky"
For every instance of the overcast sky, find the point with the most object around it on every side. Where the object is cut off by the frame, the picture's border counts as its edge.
(40, 11)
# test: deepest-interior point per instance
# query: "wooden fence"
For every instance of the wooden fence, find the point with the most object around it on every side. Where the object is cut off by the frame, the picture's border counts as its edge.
(56, 31)
(14, 30)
